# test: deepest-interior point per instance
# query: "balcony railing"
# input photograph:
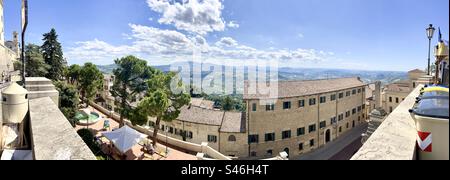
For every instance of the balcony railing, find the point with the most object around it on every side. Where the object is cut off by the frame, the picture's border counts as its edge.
(395, 139)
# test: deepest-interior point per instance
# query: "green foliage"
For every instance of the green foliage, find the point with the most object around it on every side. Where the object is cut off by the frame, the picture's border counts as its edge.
(69, 100)
(227, 104)
(73, 73)
(89, 139)
(90, 82)
(53, 56)
(165, 98)
(35, 64)
(130, 83)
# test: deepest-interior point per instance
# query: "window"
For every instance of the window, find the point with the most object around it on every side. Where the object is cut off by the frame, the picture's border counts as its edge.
(311, 142)
(270, 137)
(301, 131)
(333, 120)
(397, 100)
(390, 99)
(212, 138)
(253, 154)
(171, 130)
(359, 91)
(340, 129)
(151, 124)
(323, 124)
(301, 103)
(269, 152)
(287, 105)
(286, 134)
(232, 138)
(354, 91)
(341, 117)
(254, 107)
(253, 139)
(300, 147)
(354, 111)
(347, 93)
(391, 109)
(341, 95)
(353, 124)
(190, 135)
(312, 101)
(347, 114)
(312, 128)
(270, 107)
(359, 108)
(333, 97)
(323, 99)
(363, 106)
(348, 125)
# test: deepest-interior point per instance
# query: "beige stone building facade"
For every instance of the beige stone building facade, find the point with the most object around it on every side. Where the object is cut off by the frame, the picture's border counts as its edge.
(395, 93)
(104, 97)
(200, 122)
(8, 49)
(306, 116)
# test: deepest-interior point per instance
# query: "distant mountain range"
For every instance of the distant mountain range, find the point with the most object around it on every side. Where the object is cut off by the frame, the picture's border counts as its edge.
(287, 73)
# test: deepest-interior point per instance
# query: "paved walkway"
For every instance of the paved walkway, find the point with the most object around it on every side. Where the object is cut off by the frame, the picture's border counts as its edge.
(337, 147)
(135, 153)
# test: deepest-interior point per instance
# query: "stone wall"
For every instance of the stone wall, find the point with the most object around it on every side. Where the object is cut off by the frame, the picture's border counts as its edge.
(395, 139)
(53, 138)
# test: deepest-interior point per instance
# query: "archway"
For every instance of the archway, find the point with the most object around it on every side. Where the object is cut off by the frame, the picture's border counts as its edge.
(287, 151)
(328, 136)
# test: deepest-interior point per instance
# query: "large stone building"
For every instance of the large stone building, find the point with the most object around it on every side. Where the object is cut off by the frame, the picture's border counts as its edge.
(395, 93)
(306, 116)
(8, 50)
(104, 97)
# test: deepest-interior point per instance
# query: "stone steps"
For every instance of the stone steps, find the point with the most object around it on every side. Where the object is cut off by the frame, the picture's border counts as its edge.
(46, 87)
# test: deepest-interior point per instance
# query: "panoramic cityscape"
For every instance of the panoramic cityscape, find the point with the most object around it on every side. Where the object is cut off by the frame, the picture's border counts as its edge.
(224, 80)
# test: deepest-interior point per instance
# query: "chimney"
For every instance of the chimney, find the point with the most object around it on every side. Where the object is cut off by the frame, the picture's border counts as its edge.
(377, 94)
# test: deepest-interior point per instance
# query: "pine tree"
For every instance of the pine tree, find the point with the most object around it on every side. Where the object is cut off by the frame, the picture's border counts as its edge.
(53, 56)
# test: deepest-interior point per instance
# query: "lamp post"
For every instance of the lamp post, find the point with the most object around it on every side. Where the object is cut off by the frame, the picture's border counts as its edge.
(430, 34)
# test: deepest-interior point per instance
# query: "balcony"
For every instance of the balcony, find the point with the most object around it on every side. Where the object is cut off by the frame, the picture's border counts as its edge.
(395, 139)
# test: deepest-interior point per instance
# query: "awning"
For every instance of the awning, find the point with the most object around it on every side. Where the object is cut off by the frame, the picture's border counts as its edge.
(124, 138)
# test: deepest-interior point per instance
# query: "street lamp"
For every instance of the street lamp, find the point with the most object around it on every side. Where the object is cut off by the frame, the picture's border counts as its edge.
(430, 34)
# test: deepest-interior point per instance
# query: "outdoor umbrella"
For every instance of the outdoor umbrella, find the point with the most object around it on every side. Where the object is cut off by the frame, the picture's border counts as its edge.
(124, 138)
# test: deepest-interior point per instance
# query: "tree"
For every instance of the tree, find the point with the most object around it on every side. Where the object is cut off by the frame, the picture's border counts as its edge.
(228, 104)
(90, 82)
(131, 75)
(53, 55)
(165, 97)
(73, 74)
(69, 100)
(35, 65)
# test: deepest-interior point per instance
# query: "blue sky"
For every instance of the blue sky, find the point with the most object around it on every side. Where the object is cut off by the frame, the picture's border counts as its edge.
(348, 34)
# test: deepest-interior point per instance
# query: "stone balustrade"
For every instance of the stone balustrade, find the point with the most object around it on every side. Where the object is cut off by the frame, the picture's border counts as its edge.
(395, 139)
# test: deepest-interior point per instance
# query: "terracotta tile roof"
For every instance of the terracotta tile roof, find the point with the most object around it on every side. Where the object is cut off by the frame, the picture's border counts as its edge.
(233, 122)
(398, 88)
(288, 89)
(200, 102)
(199, 115)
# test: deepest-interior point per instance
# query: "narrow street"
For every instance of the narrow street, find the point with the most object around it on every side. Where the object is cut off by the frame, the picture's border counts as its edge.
(342, 148)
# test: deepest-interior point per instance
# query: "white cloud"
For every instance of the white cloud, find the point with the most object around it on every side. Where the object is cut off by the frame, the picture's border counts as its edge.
(195, 16)
(300, 36)
(156, 44)
(233, 24)
(226, 42)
